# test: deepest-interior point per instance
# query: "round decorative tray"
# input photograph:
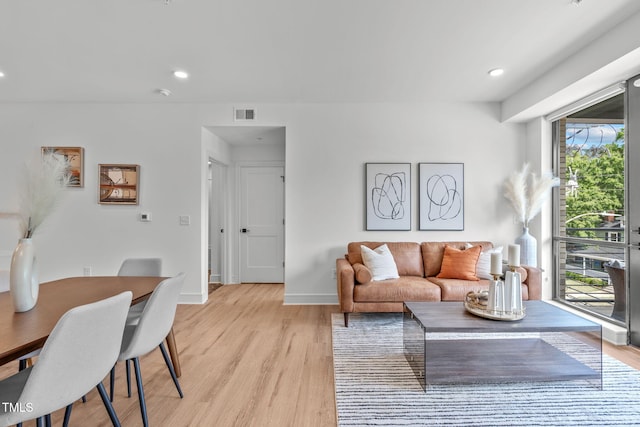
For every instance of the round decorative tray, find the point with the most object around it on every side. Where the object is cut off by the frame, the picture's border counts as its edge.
(475, 303)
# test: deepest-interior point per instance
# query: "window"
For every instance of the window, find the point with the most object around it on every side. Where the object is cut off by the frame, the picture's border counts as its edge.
(589, 215)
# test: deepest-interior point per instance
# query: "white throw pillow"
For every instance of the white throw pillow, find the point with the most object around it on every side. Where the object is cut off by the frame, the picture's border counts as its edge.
(483, 268)
(380, 262)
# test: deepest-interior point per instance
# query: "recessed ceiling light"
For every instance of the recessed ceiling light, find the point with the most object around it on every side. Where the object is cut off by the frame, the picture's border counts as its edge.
(1, 74)
(180, 74)
(496, 72)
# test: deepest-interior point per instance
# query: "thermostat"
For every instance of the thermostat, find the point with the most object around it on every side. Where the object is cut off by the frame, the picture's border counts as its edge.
(145, 217)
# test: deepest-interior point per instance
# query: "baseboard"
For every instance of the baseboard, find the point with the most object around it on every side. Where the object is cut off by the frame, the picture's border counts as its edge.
(192, 299)
(614, 334)
(310, 299)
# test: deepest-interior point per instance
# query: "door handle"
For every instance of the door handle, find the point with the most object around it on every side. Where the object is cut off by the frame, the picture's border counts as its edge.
(244, 230)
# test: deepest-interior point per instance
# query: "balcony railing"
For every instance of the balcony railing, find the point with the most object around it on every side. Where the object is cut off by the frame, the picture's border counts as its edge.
(583, 280)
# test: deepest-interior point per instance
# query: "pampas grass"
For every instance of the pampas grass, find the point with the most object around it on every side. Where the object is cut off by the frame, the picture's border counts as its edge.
(41, 191)
(527, 192)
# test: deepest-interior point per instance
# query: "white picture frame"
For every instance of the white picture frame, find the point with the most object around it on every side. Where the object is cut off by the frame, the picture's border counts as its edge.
(388, 196)
(441, 196)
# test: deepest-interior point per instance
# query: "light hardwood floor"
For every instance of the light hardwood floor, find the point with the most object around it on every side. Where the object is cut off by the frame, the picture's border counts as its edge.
(247, 360)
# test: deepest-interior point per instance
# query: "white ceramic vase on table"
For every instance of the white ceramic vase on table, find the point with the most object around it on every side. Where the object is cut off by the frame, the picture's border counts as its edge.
(23, 277)
(528, 248)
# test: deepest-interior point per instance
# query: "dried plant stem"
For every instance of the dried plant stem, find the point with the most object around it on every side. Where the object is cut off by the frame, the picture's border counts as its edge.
(527, 192)
(44, 184)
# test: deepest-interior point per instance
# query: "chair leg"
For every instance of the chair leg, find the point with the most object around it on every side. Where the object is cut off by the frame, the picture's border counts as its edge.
(22, 365)
(47, 420)
(107, 404)
(346, 320)
(126, 364)
(171, 370)
(143, 405)
(39, 422)
(112, 380)
(67, 415)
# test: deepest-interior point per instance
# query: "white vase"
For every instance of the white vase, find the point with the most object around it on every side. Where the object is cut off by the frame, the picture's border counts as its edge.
(23, 277)
(528, 248)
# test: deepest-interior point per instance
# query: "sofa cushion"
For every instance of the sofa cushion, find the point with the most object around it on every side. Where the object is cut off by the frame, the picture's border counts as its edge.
(433, 252)
(523, 272)
(363, 274)
(405, 288)
(456, 289)
(407, 255)
(460, 263)
(380, 262)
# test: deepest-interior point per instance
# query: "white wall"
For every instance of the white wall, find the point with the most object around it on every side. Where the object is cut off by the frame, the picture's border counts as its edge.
(326, 148)
(538, 150)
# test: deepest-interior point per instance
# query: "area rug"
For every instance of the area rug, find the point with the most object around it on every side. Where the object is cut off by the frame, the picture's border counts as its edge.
(375, 386)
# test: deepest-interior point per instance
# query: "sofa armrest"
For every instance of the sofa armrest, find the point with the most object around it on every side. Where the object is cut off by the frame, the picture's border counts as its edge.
(345, 276)
(534, 282)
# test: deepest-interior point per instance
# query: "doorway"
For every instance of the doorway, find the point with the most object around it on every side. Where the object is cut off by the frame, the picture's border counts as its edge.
(246, 203)
(217, 220)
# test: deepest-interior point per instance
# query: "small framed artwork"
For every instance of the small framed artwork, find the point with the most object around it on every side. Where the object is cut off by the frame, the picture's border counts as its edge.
(441, 188)
(74, 156)
(118, 184)
(388, 196)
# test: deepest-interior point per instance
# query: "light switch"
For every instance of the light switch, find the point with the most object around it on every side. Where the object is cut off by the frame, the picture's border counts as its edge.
(185, 220)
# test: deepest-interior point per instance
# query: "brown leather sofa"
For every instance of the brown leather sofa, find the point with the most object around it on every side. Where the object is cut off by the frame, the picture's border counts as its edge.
(418, 265)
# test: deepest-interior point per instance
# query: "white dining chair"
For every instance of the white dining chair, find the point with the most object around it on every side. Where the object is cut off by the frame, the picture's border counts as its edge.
(137, 267)
(76, 357)
(140, 267)
(26, 360)
(154, 324)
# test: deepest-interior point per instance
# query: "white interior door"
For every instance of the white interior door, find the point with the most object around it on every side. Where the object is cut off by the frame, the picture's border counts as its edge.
(262, 224)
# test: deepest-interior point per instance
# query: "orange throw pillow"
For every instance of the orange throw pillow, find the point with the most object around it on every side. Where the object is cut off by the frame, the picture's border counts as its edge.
(460, 264)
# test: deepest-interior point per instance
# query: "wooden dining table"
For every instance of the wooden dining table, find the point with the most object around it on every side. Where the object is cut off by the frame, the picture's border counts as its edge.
(22, 333)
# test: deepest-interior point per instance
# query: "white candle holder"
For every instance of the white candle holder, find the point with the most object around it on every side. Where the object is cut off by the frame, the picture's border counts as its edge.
(513, 292)
(495, 302)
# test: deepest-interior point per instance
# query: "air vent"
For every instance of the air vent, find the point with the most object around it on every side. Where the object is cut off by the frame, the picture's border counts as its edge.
(242, 114)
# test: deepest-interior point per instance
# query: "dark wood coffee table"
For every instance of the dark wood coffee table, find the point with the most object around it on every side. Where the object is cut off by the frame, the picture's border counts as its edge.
(445, 344)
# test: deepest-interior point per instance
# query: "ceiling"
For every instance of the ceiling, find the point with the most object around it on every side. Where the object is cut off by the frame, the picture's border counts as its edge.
(300, 51)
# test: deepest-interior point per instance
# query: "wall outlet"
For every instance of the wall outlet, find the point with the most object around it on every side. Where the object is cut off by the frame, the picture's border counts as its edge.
(87, 271)
(185, 219)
